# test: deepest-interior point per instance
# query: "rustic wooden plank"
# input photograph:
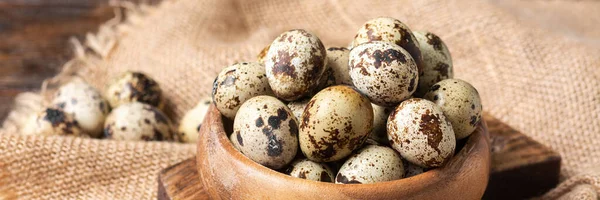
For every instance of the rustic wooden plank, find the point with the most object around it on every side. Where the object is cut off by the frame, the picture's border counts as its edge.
(181, 181)
(34, 42)
(521, 167)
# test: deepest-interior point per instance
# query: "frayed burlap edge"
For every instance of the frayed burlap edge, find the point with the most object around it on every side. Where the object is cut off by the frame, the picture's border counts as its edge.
(96, 47)
(99, 46)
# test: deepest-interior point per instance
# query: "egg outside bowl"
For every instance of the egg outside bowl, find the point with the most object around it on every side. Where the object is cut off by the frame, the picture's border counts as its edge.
(228, 174)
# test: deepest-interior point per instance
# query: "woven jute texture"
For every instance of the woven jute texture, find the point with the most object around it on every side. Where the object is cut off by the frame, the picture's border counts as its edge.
(536, 65)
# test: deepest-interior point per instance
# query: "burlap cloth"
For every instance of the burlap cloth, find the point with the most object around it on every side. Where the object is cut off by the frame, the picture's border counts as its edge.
(535, 63)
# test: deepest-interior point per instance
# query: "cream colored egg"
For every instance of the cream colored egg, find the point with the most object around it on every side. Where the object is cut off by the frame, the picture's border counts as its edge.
(190, 124)
(384, 72)
(310, 170)
(134, 87)
(266, 131)
(437, 62)
(85, 104)
(380, 117)
(371, 164)
(236, 84)
(137, 122)
(461, 104)
(386, 29)
(337, 61)
(418, 129)
(295, 63)
(335, 122)
(297, 107)
(411, 170)
(52, 121)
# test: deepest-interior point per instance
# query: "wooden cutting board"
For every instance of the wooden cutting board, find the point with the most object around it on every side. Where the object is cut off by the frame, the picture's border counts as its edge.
(521, 168)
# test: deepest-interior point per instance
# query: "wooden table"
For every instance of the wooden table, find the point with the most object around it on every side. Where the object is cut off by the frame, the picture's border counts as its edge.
(34, 40)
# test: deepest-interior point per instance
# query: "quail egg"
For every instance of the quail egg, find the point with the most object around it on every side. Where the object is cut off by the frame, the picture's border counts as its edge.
(390, 30)
(294, 64)
(85, 104)
(418, 129)
(297, 107)
(384, 72)
(236, 84)
(437, 63)
(266, 131)
(371, 164)
(192, 121)
(262, 55)
(134, 87)
(411, 170)
(335, 122)
(337, 61)
(52, 121)
(310, 170)
(137, 121)
(380, 117)
(460, 102)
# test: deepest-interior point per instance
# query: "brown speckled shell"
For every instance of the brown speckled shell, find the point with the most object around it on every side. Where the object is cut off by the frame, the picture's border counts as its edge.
(134, 87)
(297, 107)
(266, 131)
(337, 61)
(384, 72)
(411, 170)
(335, 122)
(310, 170)
(380, 117)
(418, 129)
(85, 103)
(236, 84)
(437, 62)
(138, 122)
(53, 121)
(294, 64)
(371, 164)
(260, 58)
(191, 122)
(461, 104)
(390, 30)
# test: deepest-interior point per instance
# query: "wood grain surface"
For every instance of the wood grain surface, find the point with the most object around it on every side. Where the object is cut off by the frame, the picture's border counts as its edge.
(521, 167)
(34, 40)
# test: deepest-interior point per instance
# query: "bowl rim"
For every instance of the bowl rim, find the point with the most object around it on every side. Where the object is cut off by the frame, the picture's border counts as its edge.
(477, 140)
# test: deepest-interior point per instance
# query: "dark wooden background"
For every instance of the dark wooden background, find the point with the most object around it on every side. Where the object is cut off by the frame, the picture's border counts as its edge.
(34, 40)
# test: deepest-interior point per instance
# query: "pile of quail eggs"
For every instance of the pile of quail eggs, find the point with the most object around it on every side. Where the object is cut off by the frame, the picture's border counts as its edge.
(137, 102)
(383, 109)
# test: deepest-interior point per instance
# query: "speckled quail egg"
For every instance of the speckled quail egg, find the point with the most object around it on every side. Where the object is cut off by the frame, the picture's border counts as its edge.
(380, 117)
(437, 63)
(260, 58)
(384, 72)
(310, 170)
(52, 121)
(266, 132)
(335, 122)
(85, 103)
(134, 87)
(297, 107)
(294, 64)
(337, 61)
(371, 164)
(411, 170)
(192, 121)
(390, 30)
(137, 121)
(236, 84)
(418, 129)
(460, 102)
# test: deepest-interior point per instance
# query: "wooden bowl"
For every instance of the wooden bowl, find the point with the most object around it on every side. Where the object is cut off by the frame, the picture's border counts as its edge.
(228, 174)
